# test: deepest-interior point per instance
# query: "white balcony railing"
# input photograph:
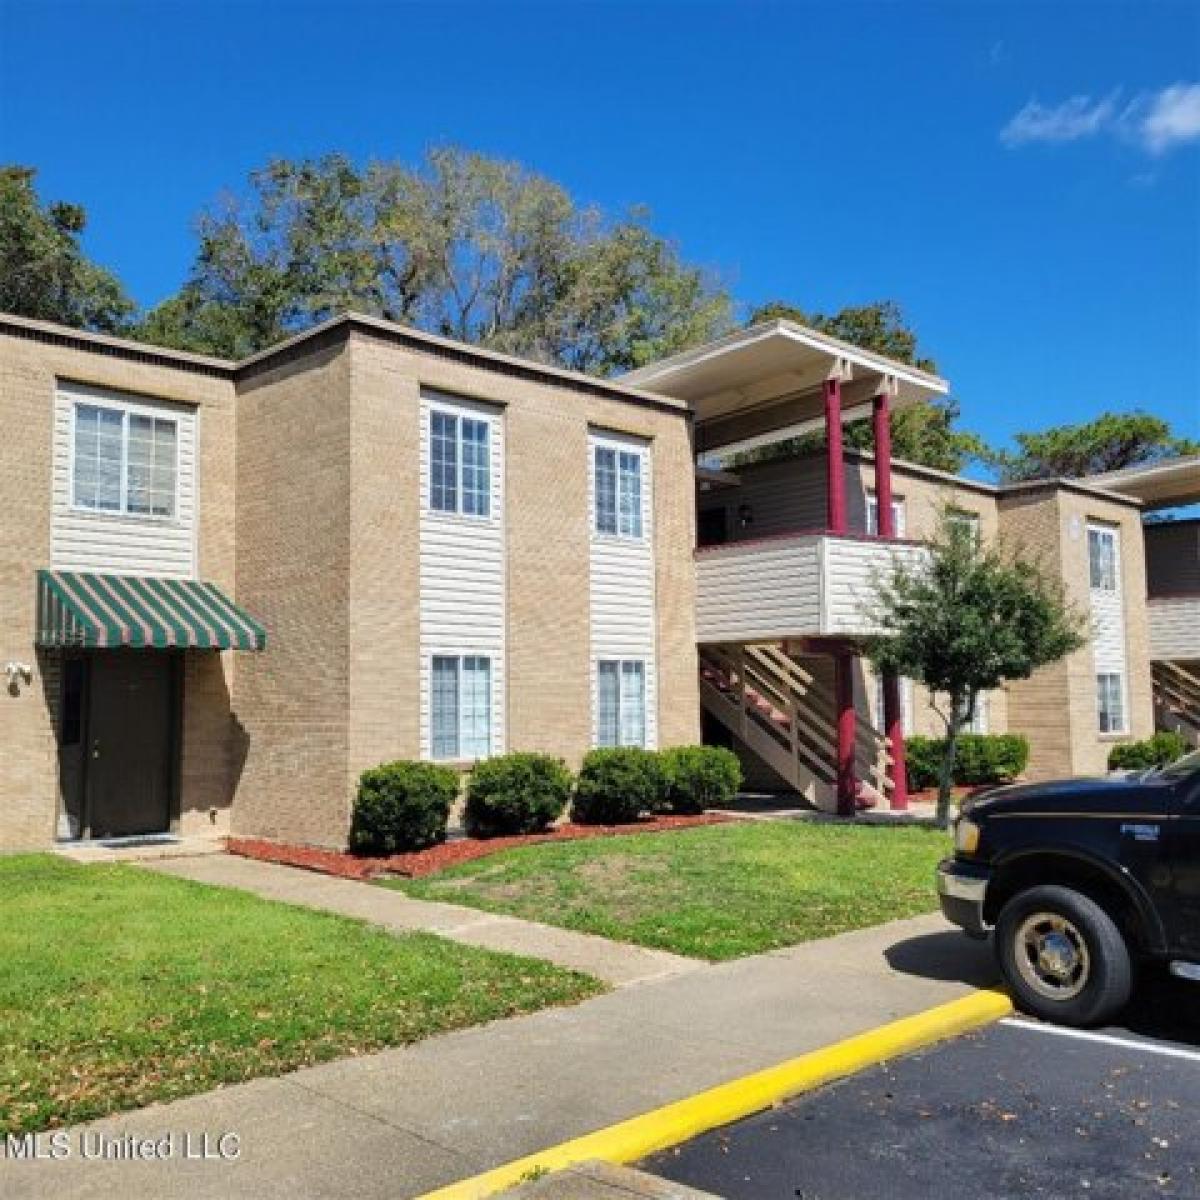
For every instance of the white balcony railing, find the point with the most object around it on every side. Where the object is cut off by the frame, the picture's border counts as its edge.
(794, 585)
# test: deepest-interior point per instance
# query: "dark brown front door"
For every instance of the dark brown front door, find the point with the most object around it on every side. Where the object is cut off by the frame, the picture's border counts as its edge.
(133, 698)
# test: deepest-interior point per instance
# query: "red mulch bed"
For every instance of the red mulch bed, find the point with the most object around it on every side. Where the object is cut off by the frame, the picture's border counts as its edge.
(930, 795)
(437, 858)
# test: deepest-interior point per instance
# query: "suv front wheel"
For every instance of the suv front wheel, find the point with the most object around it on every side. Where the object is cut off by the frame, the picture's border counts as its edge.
(1063, 956)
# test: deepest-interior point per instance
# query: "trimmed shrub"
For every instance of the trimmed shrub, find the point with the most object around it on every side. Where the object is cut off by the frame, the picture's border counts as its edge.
(980, 758)
(516, 793)
(922, 761)
(402, 806)
(1157, 751)
(990, 757)
(700, 777)
(617, 784)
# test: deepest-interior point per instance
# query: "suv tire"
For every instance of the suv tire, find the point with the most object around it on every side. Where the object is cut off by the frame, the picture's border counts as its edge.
(1063, 956)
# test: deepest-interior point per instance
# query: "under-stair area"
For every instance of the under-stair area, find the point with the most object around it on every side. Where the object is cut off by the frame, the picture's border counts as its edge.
(778, 706)
(1177, 697)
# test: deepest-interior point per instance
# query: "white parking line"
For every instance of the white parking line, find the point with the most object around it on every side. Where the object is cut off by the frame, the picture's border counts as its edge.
(1106, 1039)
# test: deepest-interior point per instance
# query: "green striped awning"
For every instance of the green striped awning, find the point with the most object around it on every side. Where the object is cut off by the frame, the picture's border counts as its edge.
(76, 608)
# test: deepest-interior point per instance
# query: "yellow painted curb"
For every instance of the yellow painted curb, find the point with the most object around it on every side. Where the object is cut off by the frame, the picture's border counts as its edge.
(651, 1131)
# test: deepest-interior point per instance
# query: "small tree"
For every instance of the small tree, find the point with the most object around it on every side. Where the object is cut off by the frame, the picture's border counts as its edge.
(964, 619)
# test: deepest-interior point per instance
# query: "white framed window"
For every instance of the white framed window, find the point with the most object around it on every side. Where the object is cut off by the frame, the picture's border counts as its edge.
(617, 483)
(1102, 558)
(620, 702)
(898, 515)
(979, 722)
(459, 464)
(1110, 702)
(460, 706)
(906, 704)
(968, 522)
(123, 462)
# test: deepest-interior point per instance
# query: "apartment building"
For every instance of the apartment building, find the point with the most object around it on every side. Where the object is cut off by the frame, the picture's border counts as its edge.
(788, 551)
(226, 589)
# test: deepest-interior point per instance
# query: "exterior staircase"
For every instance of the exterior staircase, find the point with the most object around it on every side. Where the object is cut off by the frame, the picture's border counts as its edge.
(1176, 689)
(779, 710)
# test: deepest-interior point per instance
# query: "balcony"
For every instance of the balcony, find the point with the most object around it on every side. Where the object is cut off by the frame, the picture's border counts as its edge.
(1174, 627)
(794, 585)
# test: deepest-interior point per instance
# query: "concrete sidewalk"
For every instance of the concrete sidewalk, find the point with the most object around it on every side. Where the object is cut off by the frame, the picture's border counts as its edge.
(616, 963)
(402, 1122)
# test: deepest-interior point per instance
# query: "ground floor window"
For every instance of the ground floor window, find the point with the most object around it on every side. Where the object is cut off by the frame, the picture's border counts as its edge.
(979, 722)
(906, 694)
(1110, 702)
(620, 702)
(461, 706)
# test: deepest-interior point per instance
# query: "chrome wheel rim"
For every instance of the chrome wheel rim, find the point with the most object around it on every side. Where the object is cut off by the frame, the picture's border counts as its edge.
(1052, 956)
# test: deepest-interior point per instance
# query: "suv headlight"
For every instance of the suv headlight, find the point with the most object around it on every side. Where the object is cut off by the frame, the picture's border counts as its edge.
(966, 836)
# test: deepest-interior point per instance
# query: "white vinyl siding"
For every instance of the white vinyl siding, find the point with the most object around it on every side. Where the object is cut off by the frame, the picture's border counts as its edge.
(621, 585)
(806, 584)
(462, 576)
(1108, 626)
(124, 484)
(851, 570)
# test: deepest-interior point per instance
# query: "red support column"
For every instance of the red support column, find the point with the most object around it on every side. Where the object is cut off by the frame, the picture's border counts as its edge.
(883, 465)
(894, 727)
(835, 466)
(847, 781)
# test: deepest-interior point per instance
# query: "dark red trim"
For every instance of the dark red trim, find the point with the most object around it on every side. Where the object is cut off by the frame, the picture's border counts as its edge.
(1192, 595)
(851, 536)
(847, 781)
(835, 464)
(893, 725)
(883, 466)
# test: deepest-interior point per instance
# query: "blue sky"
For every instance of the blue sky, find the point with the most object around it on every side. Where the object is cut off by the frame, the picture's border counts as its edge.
(1024, 179)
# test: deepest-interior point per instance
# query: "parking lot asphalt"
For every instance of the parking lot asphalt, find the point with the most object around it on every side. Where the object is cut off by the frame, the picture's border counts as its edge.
(1019, 1110)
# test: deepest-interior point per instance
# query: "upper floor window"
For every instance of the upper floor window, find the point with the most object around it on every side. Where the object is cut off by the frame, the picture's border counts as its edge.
(124, 462)
(1102, 558)
(460, 464)
(967, 522)
(898, 516)
(618, 486)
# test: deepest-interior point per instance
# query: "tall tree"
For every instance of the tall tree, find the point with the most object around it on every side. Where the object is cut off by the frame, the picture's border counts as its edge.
(1109, 443)
(966, 619)
(467, 246)
(44, 272)
(923, 433)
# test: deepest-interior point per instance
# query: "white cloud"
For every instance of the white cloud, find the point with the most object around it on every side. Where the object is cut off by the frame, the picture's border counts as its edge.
(1173, 118)
(1154, 121)
(1078, 117)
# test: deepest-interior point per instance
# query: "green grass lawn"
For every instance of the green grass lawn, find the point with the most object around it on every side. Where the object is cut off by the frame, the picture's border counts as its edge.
(717, 892)
(119, 987)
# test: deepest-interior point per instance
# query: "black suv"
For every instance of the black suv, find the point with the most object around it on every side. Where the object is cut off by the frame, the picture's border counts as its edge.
(1081, 880)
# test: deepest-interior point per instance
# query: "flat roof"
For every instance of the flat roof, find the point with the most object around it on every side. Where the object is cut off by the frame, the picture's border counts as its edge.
(416, 339)
(1169, 483)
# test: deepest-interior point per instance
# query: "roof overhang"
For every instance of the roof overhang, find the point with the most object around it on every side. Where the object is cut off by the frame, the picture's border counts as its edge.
(765, 383)
(1169, 484)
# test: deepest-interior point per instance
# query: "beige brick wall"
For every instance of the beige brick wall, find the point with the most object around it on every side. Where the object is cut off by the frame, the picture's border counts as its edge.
(293, 532)
(328, 526)
(1056, 708)
(29, 367)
